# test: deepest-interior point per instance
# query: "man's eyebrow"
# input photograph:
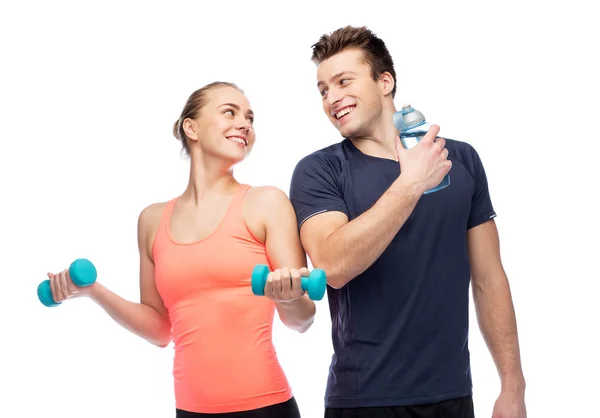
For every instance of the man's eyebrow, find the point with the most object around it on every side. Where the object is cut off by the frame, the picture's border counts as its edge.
(338, 75)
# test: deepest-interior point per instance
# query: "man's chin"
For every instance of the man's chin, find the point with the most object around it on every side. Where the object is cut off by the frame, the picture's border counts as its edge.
(347, 131)
(351, 128)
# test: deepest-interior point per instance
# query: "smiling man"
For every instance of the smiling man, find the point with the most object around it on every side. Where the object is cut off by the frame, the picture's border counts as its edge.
(398, 262)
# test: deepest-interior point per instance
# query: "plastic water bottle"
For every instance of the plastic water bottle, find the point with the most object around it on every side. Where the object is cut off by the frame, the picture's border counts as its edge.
(412, 127)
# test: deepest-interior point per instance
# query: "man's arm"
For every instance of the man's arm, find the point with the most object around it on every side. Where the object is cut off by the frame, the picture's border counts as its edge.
(346, 249)
(494, 306)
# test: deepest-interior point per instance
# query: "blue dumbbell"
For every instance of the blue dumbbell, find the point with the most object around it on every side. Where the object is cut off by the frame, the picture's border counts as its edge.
(82, 272)
(314, 284)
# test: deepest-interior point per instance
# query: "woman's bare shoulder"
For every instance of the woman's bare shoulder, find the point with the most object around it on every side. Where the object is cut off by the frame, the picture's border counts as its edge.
(266, 196)
(262, 206)
(150, 216)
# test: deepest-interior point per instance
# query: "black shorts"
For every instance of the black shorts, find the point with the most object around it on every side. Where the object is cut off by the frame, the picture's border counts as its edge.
(288, 409)
(452, 408)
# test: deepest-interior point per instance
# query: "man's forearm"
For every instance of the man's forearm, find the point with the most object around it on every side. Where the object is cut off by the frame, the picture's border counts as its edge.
(497, 322)
(354, 247)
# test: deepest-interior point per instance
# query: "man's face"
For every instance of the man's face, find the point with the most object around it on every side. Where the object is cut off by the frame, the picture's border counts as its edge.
(352, 100)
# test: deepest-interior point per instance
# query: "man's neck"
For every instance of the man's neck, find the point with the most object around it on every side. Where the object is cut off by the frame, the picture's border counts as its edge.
(381, 141)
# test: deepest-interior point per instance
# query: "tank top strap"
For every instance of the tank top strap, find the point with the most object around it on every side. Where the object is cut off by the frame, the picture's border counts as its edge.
(161, 232)
(240, 193)
(234, 219)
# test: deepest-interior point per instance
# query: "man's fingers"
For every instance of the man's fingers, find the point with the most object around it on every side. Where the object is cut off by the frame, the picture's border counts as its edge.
(431, 134)
(440, 142)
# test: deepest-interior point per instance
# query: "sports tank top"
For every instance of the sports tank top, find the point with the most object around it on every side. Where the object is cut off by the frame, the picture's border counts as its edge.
(224, 358)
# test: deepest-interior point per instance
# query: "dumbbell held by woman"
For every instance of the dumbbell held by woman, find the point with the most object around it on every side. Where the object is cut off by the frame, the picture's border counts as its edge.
(314, 284)
(82, 273)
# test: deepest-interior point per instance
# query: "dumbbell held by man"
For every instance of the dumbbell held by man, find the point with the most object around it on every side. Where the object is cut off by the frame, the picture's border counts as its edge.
(315, 284)
(82, 272)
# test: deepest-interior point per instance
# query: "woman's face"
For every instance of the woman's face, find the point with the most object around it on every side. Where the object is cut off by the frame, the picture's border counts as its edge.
(224, 128)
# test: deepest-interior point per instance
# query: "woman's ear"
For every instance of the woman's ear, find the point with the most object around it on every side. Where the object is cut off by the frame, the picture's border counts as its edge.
(190, 127)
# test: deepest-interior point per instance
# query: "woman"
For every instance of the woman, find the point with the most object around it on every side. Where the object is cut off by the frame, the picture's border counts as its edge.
(197, 252)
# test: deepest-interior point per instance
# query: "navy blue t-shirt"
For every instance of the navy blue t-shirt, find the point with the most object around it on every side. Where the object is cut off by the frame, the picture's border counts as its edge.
(400, 329)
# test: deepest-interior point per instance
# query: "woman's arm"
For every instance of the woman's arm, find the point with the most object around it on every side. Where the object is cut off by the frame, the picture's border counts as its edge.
(286, 256)
(147, 319)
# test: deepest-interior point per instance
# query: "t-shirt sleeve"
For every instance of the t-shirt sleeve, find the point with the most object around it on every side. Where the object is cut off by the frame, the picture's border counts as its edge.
(481, 204)
(315, 189)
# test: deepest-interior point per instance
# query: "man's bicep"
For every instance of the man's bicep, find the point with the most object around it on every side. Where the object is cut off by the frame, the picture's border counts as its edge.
(315, 230)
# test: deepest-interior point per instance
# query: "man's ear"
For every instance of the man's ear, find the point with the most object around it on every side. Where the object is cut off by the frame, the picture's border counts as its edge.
(387, 83)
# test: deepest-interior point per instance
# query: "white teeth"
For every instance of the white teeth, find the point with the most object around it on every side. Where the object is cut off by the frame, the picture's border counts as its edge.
(344, 112)
(238, 140)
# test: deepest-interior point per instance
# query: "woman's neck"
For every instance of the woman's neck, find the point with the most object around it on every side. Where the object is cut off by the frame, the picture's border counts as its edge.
(206, 180)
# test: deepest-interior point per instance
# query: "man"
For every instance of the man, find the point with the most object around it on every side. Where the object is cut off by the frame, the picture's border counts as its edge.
(399, 262)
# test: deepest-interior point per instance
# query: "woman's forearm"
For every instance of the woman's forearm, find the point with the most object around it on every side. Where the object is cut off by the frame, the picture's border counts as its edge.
(297, 314)
(138, 318)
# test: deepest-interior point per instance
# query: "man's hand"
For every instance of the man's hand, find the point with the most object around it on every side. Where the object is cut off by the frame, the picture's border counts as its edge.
(425, 164)
(510, 405)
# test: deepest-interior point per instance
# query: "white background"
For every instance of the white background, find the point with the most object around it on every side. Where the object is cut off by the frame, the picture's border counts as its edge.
(89, 93)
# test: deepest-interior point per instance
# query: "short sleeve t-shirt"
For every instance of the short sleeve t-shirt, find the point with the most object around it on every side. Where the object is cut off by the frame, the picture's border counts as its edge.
(400, 329)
